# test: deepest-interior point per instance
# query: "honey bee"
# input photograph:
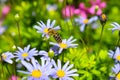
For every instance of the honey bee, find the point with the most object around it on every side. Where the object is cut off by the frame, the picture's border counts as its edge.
(55, 34)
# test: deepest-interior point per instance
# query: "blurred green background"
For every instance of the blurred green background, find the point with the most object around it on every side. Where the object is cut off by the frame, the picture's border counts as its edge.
(92, 64)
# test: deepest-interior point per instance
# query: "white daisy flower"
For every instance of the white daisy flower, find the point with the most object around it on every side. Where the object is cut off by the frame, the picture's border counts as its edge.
(116, 26)
(26, 53)
(42, 28)
(116, 70)
(7, 56)
(37, 71)
(65, 72)
(116, 54)
(65, 44)
(84, 21)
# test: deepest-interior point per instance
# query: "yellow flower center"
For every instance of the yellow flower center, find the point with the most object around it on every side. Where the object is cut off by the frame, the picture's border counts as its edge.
(118, 76)
(118, 57)
(63, 45)
(46, 30)
(4, 56)
(60, 73)
(103, 16)
(24, 55)
(85, 21)
(36, 73)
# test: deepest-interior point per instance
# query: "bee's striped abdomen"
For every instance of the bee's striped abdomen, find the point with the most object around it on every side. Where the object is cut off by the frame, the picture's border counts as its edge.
(55, 35)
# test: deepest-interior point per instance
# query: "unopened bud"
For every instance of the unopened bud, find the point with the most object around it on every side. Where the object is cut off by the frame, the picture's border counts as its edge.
(14, 47)
(51, 53)
(17, 17)
(96, 8)
(103, 19)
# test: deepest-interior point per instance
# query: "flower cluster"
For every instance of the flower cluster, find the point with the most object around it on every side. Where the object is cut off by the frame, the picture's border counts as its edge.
(95, 8)
(45, 30)
(48, 68)
(116, 56)
(85, 21)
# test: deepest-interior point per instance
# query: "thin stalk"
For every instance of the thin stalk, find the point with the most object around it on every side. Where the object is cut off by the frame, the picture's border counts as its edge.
(117, 44)
(19, 36)
(2, 70)
(63, 57)
(65, 2)
(8, 69)
(101, 33)
(15, 71)
(101, 36)
(83, 42)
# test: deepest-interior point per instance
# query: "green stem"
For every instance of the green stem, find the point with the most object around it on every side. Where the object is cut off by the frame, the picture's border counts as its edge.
(83, 42)
(2, 70)
(101, 36)
(101, 33)
(63, 57)
(19, 36)
(117, 44)
(8, 70)
(15, 70)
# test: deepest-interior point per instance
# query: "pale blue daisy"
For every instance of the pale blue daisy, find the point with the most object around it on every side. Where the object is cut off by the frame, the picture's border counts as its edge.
(37, 71)
(116, 54)
(84, 21)
(7, 56)
(116, 26)
(111, 53)
(26, 53)
(116, 70)
(65, 72)
(2, 30)
(65, 44)
(42, 28)
(51, 7)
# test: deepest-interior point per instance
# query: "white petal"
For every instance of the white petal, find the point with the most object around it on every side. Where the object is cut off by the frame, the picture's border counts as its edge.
(48, 23)
(82, 27)
(9, 61)
(27, 48)
(27, 65)
(59, 64)
(56, 28)
(23, 72)
(72, 75)
(54, 43)
(65, 66)
(71, 71)
(54, 64)
(38, 28)
(20, 49)
(69, 67)
(52, 24)
(60, 50)
(70, 39)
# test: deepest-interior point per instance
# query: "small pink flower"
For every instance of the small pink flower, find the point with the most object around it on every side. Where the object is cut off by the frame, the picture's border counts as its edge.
(97, 3)
(68, 11)
(5, 10)
(83, 11)
(13, 77)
